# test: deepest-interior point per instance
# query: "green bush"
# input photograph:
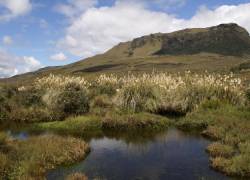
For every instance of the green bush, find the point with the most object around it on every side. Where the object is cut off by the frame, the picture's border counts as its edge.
(29, 97)
(5, 94)
(71, 100)
(248, 94)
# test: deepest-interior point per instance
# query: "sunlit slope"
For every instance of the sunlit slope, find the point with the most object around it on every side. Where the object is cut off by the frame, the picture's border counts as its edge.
(218, 49)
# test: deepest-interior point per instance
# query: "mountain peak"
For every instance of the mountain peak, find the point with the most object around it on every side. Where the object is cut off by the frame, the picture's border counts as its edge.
(225, 39)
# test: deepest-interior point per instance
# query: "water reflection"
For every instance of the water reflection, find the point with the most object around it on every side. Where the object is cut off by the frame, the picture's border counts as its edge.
(167, 155)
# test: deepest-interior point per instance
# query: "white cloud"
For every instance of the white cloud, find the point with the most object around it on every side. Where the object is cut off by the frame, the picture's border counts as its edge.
(75, 7)
(58, 57)
(98, 29)
(7, 40)
(11, 65)
(14, 8)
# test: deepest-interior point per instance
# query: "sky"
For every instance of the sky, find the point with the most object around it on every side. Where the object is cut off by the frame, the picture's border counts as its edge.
(40, 33)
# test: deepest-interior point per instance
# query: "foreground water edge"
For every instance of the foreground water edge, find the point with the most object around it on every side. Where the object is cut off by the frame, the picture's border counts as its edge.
(171, 154)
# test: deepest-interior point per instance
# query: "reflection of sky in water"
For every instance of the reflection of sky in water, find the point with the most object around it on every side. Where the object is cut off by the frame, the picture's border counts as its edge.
(170, 155)
(18, 135)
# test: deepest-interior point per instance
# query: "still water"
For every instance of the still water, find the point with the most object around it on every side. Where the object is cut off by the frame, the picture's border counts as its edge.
(164, 156)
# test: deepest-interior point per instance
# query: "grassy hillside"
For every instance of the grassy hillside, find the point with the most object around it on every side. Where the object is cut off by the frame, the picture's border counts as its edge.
(216, 49)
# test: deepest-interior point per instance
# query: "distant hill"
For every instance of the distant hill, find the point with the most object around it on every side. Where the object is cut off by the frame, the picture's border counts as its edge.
(218, 49)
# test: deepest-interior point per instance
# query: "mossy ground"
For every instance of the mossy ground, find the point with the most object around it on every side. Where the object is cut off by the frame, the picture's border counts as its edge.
(92, 125)
(230, 127)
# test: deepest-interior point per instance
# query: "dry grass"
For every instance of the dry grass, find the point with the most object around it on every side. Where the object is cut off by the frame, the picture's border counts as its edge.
(30, 159)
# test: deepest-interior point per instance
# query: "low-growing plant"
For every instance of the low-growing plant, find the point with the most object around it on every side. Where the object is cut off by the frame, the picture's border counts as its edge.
(76, 176)
(135, 121)
(33, 157)
(4, 165)
(229, 126)
(220, 150)
(81, 125)
(29, 114)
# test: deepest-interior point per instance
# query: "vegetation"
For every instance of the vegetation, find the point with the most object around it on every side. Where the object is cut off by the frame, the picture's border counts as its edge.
(230, 126)
(57, 97)
(81, 125)
(136, 121)
(31, 158)
(216, 105)
(77, 176)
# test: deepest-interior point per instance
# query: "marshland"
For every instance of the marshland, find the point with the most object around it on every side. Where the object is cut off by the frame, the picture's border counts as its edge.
(127, 119)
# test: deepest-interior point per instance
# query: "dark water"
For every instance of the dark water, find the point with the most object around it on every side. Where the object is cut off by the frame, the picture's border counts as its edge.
(165, 156)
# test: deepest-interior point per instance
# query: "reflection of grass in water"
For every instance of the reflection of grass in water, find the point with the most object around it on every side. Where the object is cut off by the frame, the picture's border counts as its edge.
(31, 158)
(229, 126)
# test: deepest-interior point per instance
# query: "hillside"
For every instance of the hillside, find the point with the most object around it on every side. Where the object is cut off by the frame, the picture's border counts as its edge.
(218, 49)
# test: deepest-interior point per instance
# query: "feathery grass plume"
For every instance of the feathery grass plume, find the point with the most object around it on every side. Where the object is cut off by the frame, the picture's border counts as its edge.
(60, 81)
(179, 93)
(160, 93)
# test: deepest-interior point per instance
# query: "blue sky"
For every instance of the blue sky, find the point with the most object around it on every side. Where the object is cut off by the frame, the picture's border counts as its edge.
(38, 33)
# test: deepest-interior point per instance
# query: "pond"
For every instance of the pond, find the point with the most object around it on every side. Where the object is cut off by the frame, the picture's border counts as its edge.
(169, 155)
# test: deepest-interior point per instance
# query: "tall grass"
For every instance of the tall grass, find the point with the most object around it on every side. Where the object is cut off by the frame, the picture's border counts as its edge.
(57, 97)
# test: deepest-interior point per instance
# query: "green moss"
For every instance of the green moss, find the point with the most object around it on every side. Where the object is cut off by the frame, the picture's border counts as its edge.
(81, 125)
(135, 121)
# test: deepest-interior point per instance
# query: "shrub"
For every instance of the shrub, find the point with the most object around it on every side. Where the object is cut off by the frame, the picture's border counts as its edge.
(248, 94)
(29, 96)
(72, 99)
(5, 94)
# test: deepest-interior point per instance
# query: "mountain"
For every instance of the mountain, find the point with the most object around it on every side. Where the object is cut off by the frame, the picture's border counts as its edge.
(218, 49)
